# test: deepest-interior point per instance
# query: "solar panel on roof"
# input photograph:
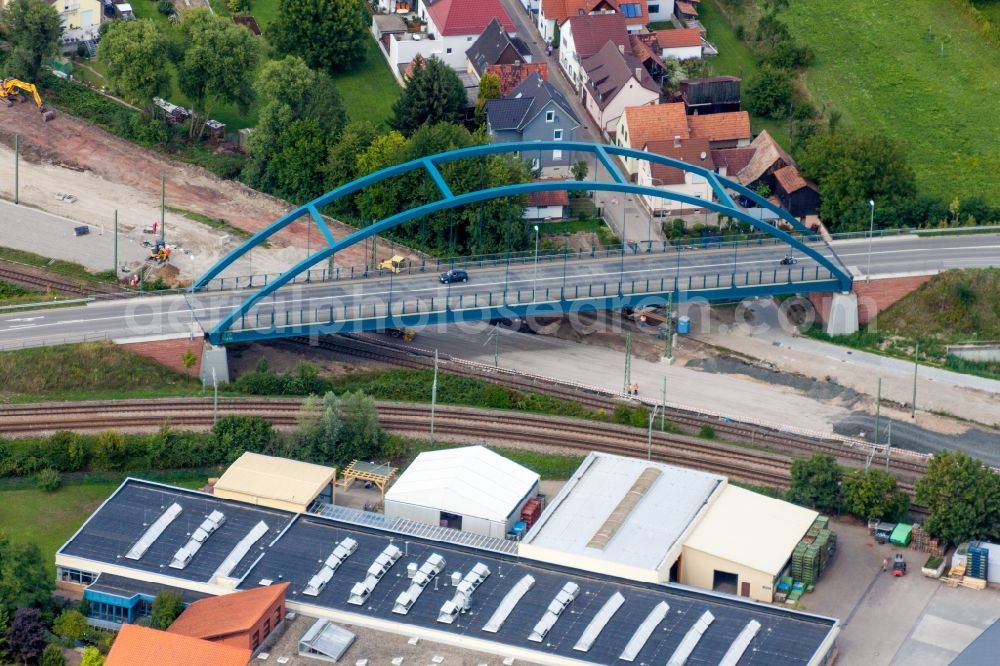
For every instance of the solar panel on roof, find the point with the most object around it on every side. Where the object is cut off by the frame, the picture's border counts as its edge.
(690, 640)
(240, 550)
(601, 619)
(740, 644)
(507, 604)
(154, 532)
(186, 553)
(563, 599)
(644, 631)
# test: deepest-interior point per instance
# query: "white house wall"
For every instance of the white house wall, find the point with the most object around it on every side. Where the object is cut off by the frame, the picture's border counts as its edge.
(632, 94)
(664, 10)
(569, 60)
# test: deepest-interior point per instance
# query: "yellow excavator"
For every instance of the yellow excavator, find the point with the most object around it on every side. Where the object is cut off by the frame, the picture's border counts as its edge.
(9, 91)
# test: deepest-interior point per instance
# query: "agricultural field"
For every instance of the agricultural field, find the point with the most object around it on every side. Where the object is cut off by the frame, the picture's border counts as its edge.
(925, 76)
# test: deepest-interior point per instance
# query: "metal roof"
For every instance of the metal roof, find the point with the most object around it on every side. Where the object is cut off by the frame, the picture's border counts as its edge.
(281, 479)
(755, 530)
(468, 481)
(650, 532)
(582, 619)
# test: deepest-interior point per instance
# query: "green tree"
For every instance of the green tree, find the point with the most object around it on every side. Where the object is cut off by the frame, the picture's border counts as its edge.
(235, 434)
(70, 624)
(24, 580)
(433, 94)
(167, 605)
(872, 493)
(26, 636)
(301, 119)
(4, 628)
(769, 93)
(32, 28)
(329, 35)
(815, 482)
(52, 656)
(962, 497)
(580, 170)
(489, 88)
(217, 66)
(852, 169)
(92, 657)
(135, 53)
(360, 435)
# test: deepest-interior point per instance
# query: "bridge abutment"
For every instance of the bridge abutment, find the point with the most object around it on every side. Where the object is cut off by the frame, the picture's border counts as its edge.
(843, 316)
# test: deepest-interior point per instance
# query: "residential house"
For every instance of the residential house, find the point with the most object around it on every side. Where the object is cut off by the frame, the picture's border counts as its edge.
(647, 50)
(140, 646)
(797, 195)
(615, 80)
(534, 111)
(495, 47)
(511, 76)
(681, 44)
(81, 21)
(396, 6)
(768, 157)
(634, 12)
(671, 179)
(659, 10)
(722, 130)
(640, 125)
(730, 161)
(242, 619)
(546, 205)
(583, 36)
(716, 94)
(553, 13)
(451, 28)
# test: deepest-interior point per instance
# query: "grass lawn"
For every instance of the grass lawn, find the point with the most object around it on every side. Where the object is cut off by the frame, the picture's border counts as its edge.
(50, 519)
(370, 90)
(735, 59)
(875, 64)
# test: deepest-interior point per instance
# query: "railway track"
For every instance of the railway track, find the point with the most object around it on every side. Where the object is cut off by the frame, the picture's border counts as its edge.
(906, 467)
(42, 280)
(453, 423)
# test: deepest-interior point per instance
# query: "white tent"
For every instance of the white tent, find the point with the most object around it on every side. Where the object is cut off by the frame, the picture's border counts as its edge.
(470, 488)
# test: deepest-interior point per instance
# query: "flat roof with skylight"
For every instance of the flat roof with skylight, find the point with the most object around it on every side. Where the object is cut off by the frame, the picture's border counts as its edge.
(624, 511)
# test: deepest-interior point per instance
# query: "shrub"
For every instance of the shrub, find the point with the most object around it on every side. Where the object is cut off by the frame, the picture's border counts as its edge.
(706, 432)
(70, 624)
(166, 607)
(165, 7)
(48, 480)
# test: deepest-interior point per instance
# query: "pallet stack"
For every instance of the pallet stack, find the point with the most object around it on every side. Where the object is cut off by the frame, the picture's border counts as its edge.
(923, 542)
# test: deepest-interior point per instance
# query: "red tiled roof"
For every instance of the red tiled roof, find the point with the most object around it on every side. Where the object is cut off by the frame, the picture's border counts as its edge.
(553, 198)
(679, 38)
(721, 126)
(592, 31)
(733, 159)
(468, 17)
(687, 8)
(511, 76)
(641, 19)
(790, 179)
(645, 47)
(227, 614)
(142, 646)
(689, 150)
(659, 122)
(560, 10)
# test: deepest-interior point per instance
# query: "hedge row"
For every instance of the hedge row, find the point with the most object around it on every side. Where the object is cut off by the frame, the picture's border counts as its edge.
(988, 29)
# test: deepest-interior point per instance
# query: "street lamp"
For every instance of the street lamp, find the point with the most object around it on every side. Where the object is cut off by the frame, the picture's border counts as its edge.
(871, 231)
(535, 278)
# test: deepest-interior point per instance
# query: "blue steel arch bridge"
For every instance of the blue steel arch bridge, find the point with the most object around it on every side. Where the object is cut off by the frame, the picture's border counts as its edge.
(297, 303)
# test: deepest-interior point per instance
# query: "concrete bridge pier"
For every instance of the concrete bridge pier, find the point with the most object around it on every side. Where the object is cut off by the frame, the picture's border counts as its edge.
(843, 317)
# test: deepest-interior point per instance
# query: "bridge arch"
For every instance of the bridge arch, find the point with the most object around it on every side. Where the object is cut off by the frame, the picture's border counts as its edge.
(448, 200)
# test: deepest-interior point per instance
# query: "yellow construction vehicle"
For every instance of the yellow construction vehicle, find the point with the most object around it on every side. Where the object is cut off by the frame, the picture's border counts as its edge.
(395, 264)
(159, 253)
(10, 88)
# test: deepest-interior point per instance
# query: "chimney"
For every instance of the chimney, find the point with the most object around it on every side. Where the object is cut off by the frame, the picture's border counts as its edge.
(638, 74)
(621, 49)
(677, 141)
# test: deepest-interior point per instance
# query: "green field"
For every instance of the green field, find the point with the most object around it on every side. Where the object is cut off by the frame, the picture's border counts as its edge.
(50, 519)
(938, 96)
(370, 90)
(735, 59)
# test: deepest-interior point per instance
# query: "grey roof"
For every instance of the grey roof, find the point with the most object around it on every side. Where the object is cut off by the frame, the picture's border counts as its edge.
(126, 588)
(983, 650)
(525, 102)
(786, 637)
(491, 44)
(609, 70)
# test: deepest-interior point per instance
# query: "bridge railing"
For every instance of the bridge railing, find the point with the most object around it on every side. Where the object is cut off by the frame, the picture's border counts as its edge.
(734, 284)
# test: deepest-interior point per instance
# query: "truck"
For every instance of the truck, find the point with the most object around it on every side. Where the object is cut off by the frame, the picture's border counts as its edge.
(393, 264)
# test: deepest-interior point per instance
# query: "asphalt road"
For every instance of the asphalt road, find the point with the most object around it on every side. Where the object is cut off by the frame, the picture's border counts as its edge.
(190, 314)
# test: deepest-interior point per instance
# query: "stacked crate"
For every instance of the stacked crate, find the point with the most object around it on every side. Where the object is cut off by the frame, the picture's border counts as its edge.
(923, 541)
(814, 552)
(977, 562)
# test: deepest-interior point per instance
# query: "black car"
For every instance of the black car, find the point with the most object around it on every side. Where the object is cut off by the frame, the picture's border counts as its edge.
(454, 275)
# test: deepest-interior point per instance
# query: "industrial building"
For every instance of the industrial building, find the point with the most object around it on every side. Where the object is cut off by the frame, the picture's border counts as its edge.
(278, 483)
(243, 619)
(353, 570)
(652, 522)
(471, 488)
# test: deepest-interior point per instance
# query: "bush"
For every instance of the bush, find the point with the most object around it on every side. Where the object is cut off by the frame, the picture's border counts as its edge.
(165, 7)
(706, 432)
(769, 94)
(70, 624)
(48, 480)
(166, 607)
